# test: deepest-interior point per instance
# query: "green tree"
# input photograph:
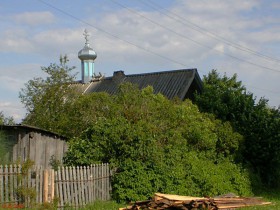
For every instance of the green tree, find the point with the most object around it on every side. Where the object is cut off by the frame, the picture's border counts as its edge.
(158, 145)
(46, 100)
(229, 100)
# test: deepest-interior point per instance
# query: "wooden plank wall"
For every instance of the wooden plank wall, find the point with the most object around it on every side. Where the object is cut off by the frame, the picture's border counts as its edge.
(38, 148)
(73, 186)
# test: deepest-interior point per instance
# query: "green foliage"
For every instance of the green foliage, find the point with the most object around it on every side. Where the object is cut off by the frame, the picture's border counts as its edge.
(228, 100)
(46, 99)
(25, 193)
(55, 163)
(158, 145)
(84, 112)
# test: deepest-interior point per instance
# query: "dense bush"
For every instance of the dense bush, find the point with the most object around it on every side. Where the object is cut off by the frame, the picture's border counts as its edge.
(158, 145)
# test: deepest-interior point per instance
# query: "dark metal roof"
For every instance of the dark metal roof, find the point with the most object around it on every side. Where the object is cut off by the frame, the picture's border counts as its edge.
(169, 83)
(30, 128)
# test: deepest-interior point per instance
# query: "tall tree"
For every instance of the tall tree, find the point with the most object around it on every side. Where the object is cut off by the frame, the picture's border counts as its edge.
(228, 100)
(46, 99)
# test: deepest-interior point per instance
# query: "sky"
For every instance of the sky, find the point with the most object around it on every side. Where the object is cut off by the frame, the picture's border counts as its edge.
(141, 36)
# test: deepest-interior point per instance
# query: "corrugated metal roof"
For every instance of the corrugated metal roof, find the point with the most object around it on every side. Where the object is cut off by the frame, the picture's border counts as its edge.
(169, 83)
(29, 127)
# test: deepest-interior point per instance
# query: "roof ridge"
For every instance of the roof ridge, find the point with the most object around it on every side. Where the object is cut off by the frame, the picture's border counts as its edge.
(161, 72)
(155, 73)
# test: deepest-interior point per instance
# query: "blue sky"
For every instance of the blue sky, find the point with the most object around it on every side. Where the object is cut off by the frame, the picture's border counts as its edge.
(137, 36)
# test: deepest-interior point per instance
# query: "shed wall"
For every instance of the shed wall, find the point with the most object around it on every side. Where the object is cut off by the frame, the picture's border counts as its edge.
(38, 147)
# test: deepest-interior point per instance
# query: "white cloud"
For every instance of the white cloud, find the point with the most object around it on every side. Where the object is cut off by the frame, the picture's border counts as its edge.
(35, 18)
(218, 7)
(15, 40)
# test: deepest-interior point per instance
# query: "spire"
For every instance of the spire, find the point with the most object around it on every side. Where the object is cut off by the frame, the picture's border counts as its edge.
(87, 57)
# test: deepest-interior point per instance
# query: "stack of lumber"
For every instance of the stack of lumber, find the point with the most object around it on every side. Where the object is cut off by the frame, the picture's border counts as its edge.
(166, 201)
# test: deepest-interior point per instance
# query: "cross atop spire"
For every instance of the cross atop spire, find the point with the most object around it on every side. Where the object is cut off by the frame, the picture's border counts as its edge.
(86, 34)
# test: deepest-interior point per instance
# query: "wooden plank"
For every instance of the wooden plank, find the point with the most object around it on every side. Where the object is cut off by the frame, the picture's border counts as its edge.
(41, 172)
(99, 182)
(108, 187)
(52, 184)
(38, 151)
(28, 179)
(90, 185)
(11, 183)
(36, 180)
(71, 186)
(19, 181)
(177, 197)
(75, 187)
(64, 189)
(60, 150)
(46, 179)
(81, 188)
(67, 185)
(105, 181)
(57, 186)
(32, 151)
(93, 172)
(6, 184)
(86, 185)
(15, 181)
(102, 182)
(78, 186)
(61, 197)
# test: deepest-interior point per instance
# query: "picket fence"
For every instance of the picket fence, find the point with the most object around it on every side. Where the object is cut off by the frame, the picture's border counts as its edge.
(70, 186)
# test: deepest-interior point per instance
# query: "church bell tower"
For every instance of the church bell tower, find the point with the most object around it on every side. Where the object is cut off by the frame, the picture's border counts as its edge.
(87, 56)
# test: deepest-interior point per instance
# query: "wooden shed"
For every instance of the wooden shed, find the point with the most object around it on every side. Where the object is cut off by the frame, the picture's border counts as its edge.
(27, 142)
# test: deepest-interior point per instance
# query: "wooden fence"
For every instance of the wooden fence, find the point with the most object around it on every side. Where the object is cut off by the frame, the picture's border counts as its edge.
(72, 186)
(77, 186)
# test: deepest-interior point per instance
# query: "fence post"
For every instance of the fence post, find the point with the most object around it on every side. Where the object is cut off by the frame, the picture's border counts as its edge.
(52, 184)
(45, 190)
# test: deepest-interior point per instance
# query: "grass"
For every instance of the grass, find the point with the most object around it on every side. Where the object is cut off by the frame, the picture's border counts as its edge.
(273, 197)
(104, 205)
(98, 205)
